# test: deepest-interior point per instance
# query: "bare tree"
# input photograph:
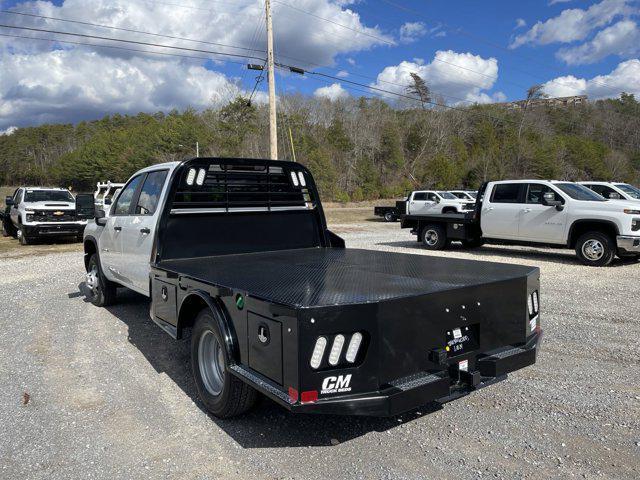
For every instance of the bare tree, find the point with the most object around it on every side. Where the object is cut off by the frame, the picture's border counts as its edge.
(420, 89)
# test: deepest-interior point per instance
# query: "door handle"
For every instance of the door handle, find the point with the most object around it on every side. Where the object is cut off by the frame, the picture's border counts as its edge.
(117, 228)
(526, 210)
(145, 231)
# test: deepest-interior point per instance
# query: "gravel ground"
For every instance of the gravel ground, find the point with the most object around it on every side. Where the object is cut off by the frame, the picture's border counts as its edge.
(110, 394)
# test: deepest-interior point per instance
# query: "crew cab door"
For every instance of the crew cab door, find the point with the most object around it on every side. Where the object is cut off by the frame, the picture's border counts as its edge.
(542, 223)
(110, 242)
(17, 200)
(501, 210)
(138, 230)
(423, 203)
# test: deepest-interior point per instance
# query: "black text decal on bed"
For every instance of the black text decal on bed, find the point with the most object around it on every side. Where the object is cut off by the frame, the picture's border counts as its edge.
(336, 384)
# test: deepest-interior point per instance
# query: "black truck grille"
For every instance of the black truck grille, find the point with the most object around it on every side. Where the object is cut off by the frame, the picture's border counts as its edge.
(54, 216)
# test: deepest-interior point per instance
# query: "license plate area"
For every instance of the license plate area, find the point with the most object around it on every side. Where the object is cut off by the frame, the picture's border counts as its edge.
(462, 340)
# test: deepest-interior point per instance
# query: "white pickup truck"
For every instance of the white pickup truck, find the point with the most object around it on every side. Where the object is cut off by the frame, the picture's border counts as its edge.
(539, 212)
(428, 202)
(615, 190)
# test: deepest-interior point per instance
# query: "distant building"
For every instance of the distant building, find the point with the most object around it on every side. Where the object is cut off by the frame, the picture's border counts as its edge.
(547, 102)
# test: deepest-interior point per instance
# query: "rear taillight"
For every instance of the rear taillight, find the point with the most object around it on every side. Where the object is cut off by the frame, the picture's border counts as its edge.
(336, 356)
(533, 306)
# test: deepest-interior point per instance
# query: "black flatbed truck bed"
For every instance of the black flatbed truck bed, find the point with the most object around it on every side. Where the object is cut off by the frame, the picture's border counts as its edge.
(278, 284)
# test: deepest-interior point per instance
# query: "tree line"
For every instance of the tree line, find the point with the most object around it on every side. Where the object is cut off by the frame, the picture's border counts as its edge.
(357, 148)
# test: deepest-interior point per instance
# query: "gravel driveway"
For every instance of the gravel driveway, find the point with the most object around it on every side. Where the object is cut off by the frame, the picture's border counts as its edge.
(104, 393)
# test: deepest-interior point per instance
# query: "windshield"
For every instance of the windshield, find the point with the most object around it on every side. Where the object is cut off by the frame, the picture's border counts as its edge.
(472, 194)
(633, 192)
(579, 192)
(48, 196)
(447, 195)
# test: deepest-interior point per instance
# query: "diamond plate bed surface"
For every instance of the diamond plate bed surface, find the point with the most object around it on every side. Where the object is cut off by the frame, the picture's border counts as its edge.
(333, 276)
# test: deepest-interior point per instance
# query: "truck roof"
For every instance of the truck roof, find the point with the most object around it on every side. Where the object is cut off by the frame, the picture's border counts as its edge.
(46, 188)
(317, 277)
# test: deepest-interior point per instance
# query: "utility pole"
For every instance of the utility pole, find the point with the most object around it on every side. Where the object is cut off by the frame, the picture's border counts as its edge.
(273, 126)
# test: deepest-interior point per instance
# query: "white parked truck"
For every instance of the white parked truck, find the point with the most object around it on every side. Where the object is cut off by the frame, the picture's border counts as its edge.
(39, 212)
(614, 190)
(429, 202)
(468, 195)
(539, 212)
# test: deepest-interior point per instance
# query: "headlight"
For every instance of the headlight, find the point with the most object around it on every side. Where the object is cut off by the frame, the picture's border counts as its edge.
(30, 217)
(631, 211)
(635, 224)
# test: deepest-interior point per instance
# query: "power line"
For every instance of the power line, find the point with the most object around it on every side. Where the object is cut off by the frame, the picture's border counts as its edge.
(131, 30)
(137, 42)
(115, 47)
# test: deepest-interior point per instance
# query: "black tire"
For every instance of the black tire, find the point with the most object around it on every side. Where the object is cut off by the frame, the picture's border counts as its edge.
(389, 217)
(595, 249)
(99, 290)
(473, 243)
(223, 394)
(434, 237)
(22, 237)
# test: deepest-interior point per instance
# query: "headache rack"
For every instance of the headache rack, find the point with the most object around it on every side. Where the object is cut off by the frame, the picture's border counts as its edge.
(223, 186)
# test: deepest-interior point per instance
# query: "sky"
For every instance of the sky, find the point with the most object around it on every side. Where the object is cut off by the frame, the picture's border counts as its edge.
(467, 51)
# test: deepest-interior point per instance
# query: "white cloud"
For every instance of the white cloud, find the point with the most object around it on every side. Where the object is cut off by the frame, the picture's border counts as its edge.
(625, 78)
(455, 76)
(622, 39)
(351, 61)
(553, 2)
(412, 31)
(574, 24)
(8, 130)
(332, 92)
(520, 23)
(342, 74)
(69, 83)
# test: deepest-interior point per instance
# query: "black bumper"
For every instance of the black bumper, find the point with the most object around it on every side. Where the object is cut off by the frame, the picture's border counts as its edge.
(412, 392)
(53, 230)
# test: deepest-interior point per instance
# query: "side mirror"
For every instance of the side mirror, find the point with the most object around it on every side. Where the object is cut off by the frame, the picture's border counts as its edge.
(614, 196)
(85, 206)
(549, 200)
(101, 217)
(9, 201)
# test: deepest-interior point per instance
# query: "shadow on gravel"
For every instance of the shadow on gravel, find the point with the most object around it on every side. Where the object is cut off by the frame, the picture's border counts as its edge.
(267, 425)
(564, 256)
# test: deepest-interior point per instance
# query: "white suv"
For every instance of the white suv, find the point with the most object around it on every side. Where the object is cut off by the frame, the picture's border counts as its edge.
(614, 190)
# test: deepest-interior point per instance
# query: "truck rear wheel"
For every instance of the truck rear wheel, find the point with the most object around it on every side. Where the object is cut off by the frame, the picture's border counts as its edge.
(595, 249)
(434, 237)
(100, 291)
(389, 217)
(223, 394)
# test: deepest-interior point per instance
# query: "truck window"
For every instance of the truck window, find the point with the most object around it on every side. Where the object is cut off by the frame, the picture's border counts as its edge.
(536, 191)
(579, 192)
(48, 196)
(602, 190)
(123, 205)
(150, 193)
(447, 195)
(506, 193)
(432, 197)
(629, 190)
(420, 196)
(18, 199)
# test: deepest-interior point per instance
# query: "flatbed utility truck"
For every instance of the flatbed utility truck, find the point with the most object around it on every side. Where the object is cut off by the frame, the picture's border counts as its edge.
(546, 213)
(238, 252)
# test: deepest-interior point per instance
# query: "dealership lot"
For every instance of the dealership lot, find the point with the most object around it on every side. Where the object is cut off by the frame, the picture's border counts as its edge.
(109, 396)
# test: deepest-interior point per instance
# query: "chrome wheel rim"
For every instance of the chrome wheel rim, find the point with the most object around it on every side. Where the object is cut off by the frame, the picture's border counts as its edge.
(593, 249)
(431, 237)
(92, 281)
(211, 362)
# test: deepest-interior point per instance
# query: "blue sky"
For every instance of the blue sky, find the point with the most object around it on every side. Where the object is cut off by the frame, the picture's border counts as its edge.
(467, 51)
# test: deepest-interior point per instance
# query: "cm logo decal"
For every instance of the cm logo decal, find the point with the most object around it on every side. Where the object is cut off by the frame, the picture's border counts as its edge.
(337, 384)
